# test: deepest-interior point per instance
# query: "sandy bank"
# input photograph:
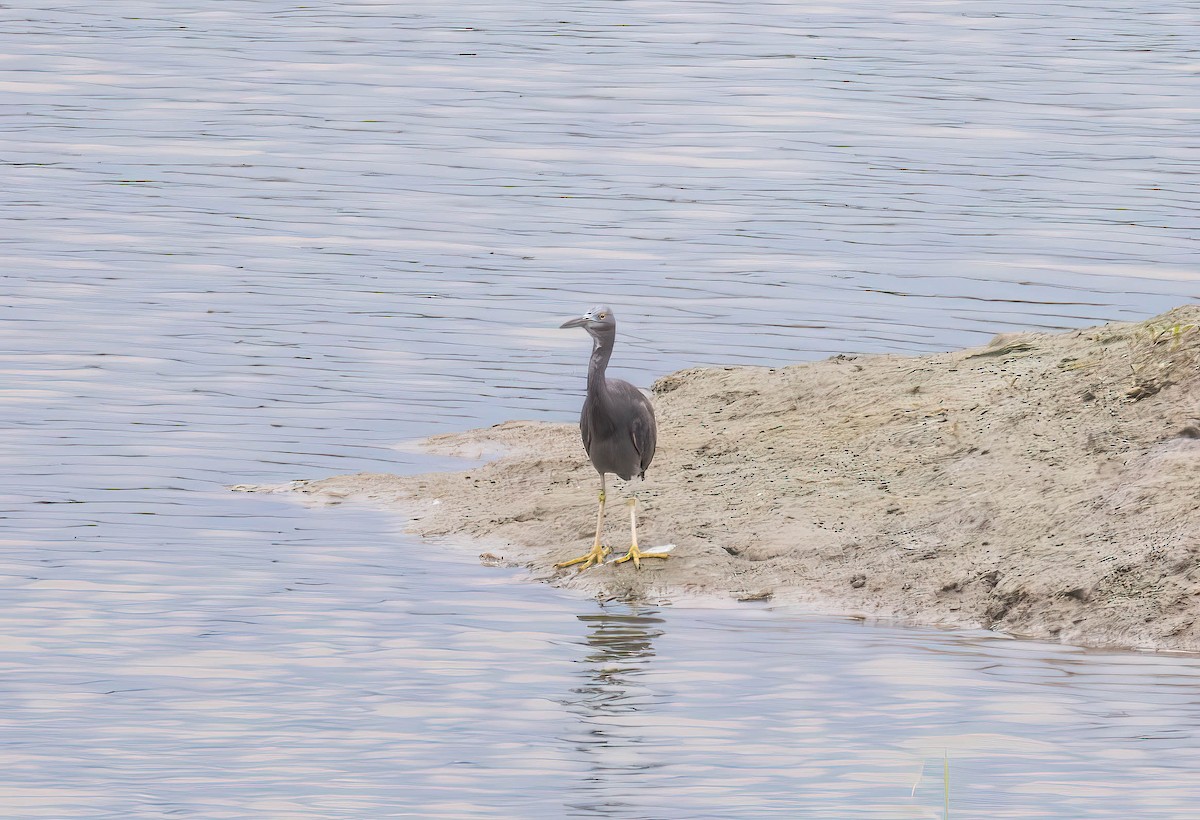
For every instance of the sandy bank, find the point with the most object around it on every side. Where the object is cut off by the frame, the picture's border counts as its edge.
(1043, 485)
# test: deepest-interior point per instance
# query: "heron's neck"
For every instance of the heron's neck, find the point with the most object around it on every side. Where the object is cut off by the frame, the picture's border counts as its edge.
(601, 353)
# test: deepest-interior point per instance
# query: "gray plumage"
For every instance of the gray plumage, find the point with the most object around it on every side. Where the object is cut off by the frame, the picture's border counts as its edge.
(619, 433)
(617, 421)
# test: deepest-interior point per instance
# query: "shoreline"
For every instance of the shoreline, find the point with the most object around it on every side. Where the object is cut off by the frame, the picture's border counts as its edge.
(1045, 486)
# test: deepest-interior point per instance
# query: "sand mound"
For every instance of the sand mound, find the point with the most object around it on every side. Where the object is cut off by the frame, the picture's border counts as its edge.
(1043, 485)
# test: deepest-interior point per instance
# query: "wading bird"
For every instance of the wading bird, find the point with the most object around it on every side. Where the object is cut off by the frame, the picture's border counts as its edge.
(619, 433)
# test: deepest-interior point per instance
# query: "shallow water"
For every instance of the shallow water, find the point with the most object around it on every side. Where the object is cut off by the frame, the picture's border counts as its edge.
(336, 671)
(250, 242)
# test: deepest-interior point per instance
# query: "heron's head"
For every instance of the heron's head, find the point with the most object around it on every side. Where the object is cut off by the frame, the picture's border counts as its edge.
(599, 322)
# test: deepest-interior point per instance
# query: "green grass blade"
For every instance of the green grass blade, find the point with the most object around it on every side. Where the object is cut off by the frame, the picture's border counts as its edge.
(946, 785)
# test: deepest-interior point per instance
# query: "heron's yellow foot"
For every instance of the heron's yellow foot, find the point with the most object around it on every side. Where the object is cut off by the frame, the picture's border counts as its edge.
(637, 555)
(596, 556)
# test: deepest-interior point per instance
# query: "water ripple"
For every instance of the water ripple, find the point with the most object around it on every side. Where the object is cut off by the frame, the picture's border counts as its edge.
(257, 242)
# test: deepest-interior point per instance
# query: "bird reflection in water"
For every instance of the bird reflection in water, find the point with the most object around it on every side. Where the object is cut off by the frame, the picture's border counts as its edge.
(610, 707)
(622, 644)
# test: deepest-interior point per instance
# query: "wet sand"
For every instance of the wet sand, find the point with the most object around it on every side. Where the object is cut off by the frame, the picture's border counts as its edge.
(1044, 485)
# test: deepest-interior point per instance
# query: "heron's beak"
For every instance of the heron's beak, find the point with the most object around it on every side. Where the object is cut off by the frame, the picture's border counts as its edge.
(580, 322)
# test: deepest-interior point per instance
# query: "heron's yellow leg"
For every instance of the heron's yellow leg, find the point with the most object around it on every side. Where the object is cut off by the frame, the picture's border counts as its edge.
(634, 553)
(598, 552)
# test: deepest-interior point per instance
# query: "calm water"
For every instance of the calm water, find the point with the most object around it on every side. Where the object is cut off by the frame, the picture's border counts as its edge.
(257, 241)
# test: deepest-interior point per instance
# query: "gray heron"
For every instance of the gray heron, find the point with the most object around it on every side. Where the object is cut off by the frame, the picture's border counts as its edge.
(618, 429)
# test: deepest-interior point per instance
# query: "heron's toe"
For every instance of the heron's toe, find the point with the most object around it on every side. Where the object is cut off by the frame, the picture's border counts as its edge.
(636, 555)
(595, 556)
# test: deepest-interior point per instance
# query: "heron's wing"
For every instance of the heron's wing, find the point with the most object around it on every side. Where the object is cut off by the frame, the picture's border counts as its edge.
(645, 436)
(642, 427)
(585, 428)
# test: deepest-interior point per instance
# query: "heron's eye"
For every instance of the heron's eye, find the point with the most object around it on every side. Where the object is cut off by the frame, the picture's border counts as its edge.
(601, 316)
